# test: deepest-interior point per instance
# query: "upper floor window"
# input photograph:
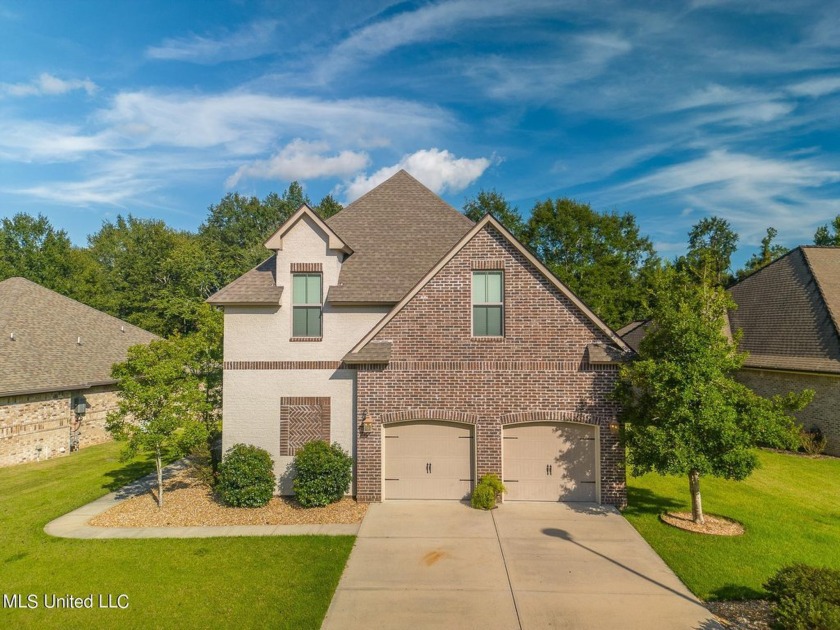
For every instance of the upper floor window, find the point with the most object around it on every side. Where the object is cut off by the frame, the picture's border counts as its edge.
(488, 303)
(306, 305)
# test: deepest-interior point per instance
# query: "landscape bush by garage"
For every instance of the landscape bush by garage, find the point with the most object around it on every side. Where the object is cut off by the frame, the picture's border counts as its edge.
(323, 474)
(806, 597)
(246, 477)
(487, 492)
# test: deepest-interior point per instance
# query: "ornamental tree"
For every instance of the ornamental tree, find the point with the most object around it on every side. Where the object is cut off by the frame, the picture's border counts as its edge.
(168, 396)
(683, 412)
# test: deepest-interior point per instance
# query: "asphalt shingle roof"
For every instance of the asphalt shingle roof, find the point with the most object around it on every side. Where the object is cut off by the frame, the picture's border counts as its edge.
(257, 287)
(45, 354)
(398, 231)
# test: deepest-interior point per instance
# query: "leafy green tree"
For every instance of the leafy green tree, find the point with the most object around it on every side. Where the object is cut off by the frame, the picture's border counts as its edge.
(711, 243)
(162, 407)
(31, 248)
(683, 412)
(601, 257)
(823, 235)
(237, 227)
(494, 203)
(769, 252)
(327, 207)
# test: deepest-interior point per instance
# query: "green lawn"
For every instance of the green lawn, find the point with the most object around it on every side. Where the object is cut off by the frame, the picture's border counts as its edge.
(790, 507)
(274, 582)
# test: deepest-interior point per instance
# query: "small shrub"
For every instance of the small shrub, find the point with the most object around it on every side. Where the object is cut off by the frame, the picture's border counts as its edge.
(246, 477)
(486, 492)
(806, 598)
(812, 441)
(201, 466)
(322, 474)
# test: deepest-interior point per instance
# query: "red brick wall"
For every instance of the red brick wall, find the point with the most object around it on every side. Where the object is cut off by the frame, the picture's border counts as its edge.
(536, 372)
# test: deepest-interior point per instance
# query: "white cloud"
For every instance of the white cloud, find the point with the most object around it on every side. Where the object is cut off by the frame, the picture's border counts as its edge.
(439, 170)
(302, 160)
(250, 41)
(817, 87)
(112, 190)
(47, 85)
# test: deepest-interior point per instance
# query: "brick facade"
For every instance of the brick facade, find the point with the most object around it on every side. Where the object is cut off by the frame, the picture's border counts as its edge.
(37, 426)
(537, 372)
(824, 410)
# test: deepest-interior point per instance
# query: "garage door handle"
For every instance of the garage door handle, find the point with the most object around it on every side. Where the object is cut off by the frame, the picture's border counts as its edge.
(548, 470)
(428, 468)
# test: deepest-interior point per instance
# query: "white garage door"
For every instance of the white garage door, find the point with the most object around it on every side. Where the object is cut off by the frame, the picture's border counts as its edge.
(550, 462)
(428, 460)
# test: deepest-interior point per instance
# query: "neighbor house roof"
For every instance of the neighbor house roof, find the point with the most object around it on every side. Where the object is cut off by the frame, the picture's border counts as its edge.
(633, 333)
(257, 287)
(49, 342)
(397, 231)
(789, 312)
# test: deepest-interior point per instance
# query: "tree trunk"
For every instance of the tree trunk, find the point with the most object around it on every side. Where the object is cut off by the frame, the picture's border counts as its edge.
(159, 464)
(696, 502)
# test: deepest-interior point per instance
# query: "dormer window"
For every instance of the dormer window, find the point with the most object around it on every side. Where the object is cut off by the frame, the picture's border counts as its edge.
(306, 305)
(488, 303)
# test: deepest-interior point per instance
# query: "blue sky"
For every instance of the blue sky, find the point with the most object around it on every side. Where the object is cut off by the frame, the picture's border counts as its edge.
(670, 110)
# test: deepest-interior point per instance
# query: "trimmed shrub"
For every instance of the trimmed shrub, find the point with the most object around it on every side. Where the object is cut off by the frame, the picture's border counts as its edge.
(487, 492)
(806, 598)
(322, 474)
(246, 477)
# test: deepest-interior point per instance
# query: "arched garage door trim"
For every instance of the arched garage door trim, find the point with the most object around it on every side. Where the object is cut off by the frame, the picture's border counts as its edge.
(439, 415)
(535, 462)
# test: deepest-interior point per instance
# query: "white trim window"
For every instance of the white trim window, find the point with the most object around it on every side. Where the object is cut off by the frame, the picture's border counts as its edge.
(488, 303)
(306, 304)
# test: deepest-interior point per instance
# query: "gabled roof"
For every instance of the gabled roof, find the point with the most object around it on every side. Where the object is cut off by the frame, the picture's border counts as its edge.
(45, 354)
(633, 333)
(257, 287)
(789, 312)
(490, 220)
(398, 231)
(275, 241)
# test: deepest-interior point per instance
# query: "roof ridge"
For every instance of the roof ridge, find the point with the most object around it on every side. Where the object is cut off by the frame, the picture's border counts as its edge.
(834, 317)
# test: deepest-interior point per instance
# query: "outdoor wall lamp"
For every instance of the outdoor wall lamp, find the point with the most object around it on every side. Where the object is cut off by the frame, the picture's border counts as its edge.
(614, 427)
(367, 424)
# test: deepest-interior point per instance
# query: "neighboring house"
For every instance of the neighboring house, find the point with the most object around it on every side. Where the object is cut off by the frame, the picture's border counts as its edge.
(433, 349)
(789, 315)
(55, 371)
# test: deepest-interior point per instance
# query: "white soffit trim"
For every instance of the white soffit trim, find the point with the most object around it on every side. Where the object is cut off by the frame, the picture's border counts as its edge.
(488, 219)
(275, 241)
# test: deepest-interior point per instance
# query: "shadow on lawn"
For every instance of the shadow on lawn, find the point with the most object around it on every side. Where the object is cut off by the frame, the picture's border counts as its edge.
(736, 592)
(642, 501)
(126, 473)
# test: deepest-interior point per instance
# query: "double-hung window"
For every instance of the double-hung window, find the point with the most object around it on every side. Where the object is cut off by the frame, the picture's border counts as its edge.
(306, 305)
(488, 303)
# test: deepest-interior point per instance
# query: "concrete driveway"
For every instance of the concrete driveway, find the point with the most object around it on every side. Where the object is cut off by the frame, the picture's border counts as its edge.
(522, 566)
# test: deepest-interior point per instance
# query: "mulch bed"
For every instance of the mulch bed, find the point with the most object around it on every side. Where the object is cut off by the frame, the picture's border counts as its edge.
(747, 615)
(187, 502)
(714, 525)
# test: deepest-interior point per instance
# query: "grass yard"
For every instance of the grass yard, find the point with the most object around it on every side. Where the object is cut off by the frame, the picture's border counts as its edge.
(790, 507)
(270, 582)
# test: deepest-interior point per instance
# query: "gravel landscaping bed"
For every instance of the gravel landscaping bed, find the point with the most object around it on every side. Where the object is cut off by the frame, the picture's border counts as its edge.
(747, 615)
(187, 502)
(715, 525)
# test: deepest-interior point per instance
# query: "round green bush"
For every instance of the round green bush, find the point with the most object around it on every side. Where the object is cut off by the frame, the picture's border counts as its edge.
(486, 492)
(246, 477)
(805, 597)
(323, 474)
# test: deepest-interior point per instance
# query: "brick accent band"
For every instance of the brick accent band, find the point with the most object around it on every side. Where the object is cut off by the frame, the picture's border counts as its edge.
(282, 365)
(488, 263)
(553, 416)
(430, 414)
(496, 366)
(307, 268)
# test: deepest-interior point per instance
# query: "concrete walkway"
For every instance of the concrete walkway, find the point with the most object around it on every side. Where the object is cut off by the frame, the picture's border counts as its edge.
(75, 524)
(522, 566)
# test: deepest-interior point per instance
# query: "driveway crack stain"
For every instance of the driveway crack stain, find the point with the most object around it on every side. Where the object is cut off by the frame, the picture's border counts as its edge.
(507, 573)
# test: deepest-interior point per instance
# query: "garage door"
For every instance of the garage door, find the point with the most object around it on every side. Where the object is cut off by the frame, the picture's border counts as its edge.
(428, 460)
(550, 462)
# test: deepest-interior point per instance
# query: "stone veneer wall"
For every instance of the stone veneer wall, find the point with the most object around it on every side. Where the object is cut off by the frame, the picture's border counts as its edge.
(37, 426)
(824, 410)
(535, 373)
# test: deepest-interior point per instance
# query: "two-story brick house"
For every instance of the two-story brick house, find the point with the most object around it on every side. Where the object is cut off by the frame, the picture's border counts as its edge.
(433, 349)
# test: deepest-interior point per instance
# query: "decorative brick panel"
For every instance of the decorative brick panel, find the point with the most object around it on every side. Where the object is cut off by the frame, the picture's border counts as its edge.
(307, 267)
(537, 373)
(302, 420)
